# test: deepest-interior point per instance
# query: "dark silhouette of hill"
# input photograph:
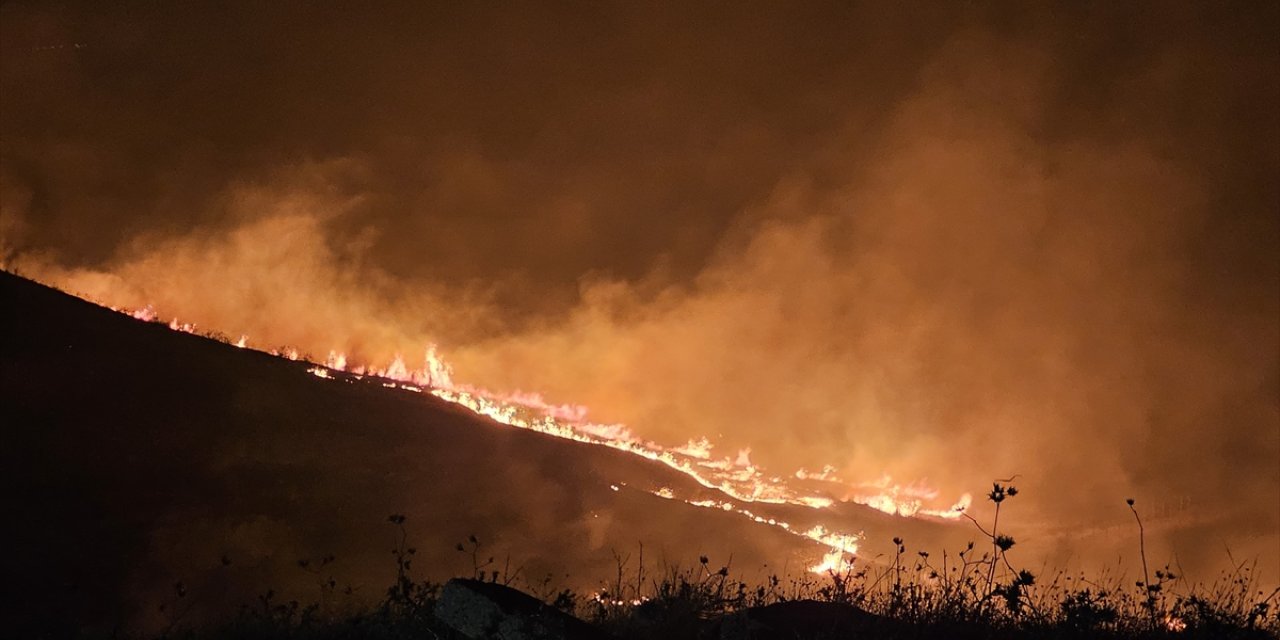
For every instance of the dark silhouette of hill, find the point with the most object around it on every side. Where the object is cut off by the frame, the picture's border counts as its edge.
(136, 457)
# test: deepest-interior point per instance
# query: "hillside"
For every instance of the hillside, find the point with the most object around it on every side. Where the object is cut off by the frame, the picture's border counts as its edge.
(140, 457)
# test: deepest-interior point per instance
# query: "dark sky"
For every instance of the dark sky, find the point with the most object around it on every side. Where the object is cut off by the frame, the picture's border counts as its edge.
(943, 240)
(635, 132)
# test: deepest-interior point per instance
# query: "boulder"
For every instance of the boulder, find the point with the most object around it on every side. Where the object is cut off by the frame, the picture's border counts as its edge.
(478, 609)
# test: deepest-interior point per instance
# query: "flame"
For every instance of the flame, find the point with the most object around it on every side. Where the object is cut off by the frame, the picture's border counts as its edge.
(893, 499)
(735, 477)
(145, 314)
(173, 324)
(843, 549)
(336, 361)
(843, 546)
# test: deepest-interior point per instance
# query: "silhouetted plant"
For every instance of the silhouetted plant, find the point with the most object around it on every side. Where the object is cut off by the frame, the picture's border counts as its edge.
(486, 571)
(406, 597)
(962, 596)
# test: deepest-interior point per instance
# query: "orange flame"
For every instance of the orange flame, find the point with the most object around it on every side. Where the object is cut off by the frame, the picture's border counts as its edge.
(735, 477)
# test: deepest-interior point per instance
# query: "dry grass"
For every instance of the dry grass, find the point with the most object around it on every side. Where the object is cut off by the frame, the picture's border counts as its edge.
(976, 593)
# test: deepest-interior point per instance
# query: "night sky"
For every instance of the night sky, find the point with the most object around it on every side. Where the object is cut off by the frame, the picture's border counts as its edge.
(946, 242)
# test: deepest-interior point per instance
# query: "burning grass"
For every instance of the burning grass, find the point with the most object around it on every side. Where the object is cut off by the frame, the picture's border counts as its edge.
(734, 477)
(978, 592)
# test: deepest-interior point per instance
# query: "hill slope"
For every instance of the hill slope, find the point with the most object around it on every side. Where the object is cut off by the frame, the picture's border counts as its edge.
(138, 457)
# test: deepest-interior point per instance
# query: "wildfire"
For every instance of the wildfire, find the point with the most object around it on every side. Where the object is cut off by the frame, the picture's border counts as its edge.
(145, 314)
(735, 477)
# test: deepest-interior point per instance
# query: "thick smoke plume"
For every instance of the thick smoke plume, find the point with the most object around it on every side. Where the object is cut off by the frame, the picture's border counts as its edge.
(945, 245)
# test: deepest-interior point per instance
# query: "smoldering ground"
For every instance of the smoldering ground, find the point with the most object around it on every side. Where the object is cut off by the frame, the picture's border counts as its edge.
(942, 243)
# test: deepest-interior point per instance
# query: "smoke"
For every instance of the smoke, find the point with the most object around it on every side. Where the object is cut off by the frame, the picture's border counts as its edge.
(278, 274)
(941, 246)
(975, 304)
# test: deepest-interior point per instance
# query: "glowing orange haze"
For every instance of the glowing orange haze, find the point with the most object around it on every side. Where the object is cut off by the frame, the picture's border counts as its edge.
(982, 272)
(735, 476)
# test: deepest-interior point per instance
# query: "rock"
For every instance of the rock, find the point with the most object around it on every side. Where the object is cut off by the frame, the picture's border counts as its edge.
(802, 619)
(477, 609)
